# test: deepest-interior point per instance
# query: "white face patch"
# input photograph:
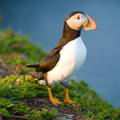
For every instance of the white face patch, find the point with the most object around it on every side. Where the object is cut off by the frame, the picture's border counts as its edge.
(76, 21)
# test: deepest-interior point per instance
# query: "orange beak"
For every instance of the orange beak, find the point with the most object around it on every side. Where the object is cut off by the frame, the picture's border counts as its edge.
(91, 25)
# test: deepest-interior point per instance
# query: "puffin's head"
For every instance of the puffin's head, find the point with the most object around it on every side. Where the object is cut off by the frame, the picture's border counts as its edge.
(79, 20)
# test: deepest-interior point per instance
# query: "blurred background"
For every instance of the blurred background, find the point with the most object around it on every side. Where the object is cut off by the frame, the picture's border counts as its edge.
(43, 21)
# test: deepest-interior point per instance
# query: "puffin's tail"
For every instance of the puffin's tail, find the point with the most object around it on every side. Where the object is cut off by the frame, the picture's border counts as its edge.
(33, 66)
(36, 66)
(37, 74)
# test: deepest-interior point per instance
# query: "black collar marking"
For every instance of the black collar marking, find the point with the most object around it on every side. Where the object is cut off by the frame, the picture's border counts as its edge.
(69, 34)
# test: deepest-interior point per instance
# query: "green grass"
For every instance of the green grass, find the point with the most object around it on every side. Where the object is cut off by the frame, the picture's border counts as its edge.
(11, 43)
(91, 104)
(14, 89)
(12, 93)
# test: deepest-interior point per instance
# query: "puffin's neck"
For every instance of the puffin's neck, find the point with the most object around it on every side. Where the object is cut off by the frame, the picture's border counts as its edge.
(68, 35)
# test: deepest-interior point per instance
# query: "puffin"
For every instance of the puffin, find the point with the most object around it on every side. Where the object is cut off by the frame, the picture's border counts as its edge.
(67, 56)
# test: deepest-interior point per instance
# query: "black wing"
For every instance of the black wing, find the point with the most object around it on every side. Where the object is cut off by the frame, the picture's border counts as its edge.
(48, 62)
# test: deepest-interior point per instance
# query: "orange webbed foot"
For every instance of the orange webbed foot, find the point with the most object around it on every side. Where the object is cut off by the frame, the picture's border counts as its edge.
(67, 100)
(55, 101)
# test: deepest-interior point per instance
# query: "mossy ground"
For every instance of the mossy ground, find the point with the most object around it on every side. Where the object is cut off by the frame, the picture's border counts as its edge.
(15, 90)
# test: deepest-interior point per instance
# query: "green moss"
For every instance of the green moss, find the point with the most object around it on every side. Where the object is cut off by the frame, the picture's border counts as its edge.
(4, 112)
(44, 114)
(20, 87)
(13, 89)
(4, 103)
(10, 43)
(90, 103)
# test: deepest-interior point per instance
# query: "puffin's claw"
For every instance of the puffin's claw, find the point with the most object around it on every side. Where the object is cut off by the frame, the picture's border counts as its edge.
(55, 101)
(67, 100)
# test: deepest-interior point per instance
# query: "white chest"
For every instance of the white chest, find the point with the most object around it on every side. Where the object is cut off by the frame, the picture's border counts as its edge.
(72, 56)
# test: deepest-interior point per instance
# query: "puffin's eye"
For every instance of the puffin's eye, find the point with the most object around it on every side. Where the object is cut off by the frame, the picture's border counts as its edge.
(78, 17)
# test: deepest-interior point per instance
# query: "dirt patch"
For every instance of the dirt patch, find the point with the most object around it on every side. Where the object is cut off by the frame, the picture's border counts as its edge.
(66, 112)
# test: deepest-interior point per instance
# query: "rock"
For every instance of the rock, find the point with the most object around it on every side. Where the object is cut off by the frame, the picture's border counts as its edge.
(1, 117)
